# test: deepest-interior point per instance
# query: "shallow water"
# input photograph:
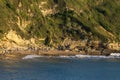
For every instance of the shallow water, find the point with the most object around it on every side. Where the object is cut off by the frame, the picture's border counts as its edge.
(51, 68)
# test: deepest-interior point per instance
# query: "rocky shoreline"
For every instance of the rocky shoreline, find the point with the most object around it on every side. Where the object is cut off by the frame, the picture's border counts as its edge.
(19, 53)
(16, 47)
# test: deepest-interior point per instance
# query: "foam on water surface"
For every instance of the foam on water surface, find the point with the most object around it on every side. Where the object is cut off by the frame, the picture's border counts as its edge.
(76, 56)
(31, 56)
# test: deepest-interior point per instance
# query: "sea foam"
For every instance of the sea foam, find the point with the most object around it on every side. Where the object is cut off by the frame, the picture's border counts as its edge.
(91, 56)
(30, 56)
(76, 56)
(96, 56)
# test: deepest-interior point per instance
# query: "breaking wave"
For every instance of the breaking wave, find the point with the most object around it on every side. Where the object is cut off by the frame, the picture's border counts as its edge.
(93, 56)
(76, 56)
(31, 56)
(90, 56)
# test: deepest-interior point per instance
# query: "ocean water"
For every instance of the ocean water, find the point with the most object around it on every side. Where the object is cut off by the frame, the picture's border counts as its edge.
(60, 68)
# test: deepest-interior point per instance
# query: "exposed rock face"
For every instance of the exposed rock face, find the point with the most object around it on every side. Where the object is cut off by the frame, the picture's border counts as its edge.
(114, 46)
(44, 10)
(72, 44)
(12, 40)
(22, 24)
(12, 36)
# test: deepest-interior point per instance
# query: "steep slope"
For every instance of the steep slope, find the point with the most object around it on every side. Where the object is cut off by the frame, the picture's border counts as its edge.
(50, 22)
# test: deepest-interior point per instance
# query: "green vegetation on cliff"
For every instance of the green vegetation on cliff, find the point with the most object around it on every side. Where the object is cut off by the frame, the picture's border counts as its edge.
(55, 20)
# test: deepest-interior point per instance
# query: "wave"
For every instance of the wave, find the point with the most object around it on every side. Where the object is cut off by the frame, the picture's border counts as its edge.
(76, 56)
(98, 56)
(85, 56)
(31, 56)
(115, 54)
(91, 56)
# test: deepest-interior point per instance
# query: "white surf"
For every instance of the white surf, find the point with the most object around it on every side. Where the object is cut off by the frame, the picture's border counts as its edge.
(30, 56)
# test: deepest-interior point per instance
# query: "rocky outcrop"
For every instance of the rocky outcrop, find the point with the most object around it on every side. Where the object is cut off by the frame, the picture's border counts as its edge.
(12, 40)
(114, 46)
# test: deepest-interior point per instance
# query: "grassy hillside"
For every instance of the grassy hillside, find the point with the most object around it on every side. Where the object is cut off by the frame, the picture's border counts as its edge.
(55, 20)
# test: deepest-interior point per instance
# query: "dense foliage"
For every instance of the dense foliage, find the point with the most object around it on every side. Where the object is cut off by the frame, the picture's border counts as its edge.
(76, 19)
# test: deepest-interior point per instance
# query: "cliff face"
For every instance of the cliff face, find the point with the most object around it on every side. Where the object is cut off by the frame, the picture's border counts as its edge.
(51, 22)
